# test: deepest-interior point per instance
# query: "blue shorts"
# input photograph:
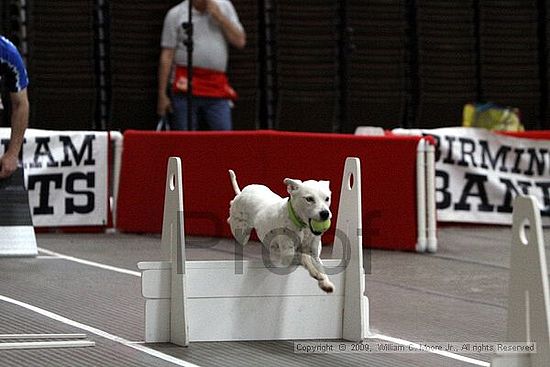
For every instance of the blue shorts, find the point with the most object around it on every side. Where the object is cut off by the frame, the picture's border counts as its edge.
(214, 112)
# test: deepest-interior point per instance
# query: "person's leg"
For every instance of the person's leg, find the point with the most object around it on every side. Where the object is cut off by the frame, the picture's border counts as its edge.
(179, 105)
(217, 113)
(200, 106)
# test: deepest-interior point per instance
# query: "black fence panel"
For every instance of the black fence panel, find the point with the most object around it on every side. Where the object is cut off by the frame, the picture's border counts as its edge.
(509, 56)
(378, 63)
(136, 27)
(447, 69)
(307, 65)
(243, 68)
(61, 64)
(315, 65)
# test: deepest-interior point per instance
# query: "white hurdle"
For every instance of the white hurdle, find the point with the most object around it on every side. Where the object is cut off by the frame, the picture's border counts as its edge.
(529, 295)
(425, 201)
(41, 341)
(245, 300)
(17, 237)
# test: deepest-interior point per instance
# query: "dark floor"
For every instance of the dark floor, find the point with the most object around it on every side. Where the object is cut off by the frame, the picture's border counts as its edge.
(458, 294)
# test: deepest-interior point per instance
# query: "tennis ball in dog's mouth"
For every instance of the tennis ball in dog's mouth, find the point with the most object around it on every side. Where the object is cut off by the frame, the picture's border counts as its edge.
(319, 226)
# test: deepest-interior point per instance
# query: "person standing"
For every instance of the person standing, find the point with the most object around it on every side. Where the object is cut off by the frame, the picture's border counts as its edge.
(216, 25)
(15, 78)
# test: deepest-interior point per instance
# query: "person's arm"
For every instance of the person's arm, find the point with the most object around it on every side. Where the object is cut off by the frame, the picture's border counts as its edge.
(165, 66)
(19, 123)
(234, 34)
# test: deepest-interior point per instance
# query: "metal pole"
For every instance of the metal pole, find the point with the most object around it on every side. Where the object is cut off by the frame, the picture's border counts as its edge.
(101, 59)
(542, 31)
(188, 27)
(480, 95)
(345, 48)
(267, 65)
(412, 86)
(23, 29)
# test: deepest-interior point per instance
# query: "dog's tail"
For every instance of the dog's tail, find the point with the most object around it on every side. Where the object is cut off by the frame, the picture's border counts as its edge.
(233, 178)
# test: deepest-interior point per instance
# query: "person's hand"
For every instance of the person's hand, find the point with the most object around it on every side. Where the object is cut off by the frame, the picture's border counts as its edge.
(8, 165)
(164, 106)
(213, 9)
(234, 34)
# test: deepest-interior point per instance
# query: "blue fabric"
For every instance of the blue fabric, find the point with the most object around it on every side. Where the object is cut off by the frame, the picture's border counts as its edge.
(214, 112)
(12, 68)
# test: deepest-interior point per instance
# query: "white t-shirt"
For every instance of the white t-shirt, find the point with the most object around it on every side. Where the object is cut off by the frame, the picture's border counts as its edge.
(210, 48)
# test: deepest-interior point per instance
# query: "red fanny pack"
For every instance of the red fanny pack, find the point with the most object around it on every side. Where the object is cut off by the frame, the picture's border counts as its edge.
(206, 83)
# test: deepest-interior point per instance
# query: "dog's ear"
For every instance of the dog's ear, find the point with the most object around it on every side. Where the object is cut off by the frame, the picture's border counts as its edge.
(292, 184)
(325, 184)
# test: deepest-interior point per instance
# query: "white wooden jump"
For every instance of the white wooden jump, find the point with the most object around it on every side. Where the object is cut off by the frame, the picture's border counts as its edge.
(529, 295)
(244, 300)
(17, 237)
(425, 197)
(39, 341)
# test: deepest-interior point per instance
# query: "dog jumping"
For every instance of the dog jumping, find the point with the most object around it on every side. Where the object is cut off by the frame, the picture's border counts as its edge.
(285, 226)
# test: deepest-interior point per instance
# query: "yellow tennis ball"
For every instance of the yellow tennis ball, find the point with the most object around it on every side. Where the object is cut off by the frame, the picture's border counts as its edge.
(320, 225)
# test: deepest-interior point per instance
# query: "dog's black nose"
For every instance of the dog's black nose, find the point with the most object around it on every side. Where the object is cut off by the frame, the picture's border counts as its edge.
(324, 214)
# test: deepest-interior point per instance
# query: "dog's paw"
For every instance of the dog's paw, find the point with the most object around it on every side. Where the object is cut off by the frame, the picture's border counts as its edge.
(326, 285)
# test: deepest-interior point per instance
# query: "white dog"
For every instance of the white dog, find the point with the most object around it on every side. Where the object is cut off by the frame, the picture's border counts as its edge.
(284, 224)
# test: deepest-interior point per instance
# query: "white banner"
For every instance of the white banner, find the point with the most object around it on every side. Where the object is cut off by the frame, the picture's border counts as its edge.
(66, 175)
(478, 173)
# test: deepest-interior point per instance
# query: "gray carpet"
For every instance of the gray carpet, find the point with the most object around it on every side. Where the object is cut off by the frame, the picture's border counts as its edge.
(456, 295)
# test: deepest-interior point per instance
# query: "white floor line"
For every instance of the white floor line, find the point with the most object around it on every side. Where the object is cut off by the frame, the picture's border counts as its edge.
(90, 263)
(377, 336)
(407, 343)
(98, 332)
